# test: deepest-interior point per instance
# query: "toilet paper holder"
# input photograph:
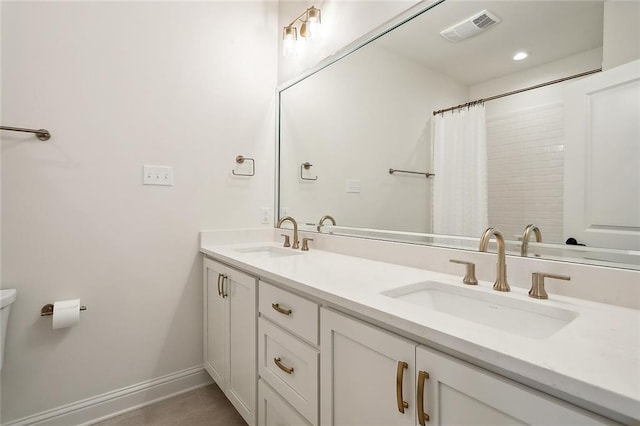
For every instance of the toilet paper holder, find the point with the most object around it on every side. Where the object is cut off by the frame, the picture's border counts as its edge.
(47, 310)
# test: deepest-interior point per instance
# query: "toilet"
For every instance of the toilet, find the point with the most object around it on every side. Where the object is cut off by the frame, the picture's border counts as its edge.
(7, 297)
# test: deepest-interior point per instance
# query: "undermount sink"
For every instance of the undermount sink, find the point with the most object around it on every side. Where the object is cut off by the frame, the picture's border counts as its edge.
(526, 318)
(268, 251)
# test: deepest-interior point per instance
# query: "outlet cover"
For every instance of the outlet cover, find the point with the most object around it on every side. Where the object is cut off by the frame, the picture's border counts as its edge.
(157, 175)
(264, 215)
(353, 185)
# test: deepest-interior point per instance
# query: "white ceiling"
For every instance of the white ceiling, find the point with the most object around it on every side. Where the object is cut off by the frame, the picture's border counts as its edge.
(548, 30)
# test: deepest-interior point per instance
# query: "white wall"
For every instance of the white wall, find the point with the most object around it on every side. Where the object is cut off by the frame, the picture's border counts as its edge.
(357, 118)
(119, 85)
(621, 29)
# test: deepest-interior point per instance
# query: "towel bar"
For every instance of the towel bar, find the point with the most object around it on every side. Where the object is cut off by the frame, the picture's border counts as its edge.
(426, 174)
(42, 134)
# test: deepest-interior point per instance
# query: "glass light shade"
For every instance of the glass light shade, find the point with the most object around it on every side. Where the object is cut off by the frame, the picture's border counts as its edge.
(315, 30)
(289, 37)
(314, 22)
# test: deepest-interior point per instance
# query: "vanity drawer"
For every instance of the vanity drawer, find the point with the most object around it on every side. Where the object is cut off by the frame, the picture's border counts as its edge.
(292, 312)
(290, 366)
(273, 410)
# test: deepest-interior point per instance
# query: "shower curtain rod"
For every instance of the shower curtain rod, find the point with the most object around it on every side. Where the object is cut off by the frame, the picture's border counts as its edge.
(537, 86)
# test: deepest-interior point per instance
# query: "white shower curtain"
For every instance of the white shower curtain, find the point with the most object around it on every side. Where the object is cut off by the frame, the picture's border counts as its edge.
(460, 167)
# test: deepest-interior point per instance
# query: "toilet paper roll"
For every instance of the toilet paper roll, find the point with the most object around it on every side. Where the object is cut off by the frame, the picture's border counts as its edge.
(66, 313)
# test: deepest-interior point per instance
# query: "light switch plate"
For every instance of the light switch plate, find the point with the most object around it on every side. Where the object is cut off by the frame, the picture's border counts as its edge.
(157, 175)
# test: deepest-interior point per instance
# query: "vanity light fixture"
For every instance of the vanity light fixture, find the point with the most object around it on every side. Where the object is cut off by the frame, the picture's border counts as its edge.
(520, 56)
(310, 21)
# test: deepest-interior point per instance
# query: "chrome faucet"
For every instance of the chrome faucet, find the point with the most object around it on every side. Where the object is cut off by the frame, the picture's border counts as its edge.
(501, 267)
(525, 237)
(326, 217)
(296, 243)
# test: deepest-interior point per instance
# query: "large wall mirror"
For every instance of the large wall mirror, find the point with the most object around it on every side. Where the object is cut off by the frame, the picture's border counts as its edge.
(390, 141)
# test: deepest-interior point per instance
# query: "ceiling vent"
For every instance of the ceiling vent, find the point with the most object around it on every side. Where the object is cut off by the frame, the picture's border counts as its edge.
(470, 26)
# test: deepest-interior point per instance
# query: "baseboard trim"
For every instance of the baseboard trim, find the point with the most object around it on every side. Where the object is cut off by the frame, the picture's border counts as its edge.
(119, 401)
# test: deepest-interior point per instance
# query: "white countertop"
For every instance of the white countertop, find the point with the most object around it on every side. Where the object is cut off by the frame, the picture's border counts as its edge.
(595, 359)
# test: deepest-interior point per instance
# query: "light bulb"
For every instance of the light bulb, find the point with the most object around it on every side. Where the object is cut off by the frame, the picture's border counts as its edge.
(288, 47)
(289, 41)
(300, 46)
(520, 56)
(314, 29)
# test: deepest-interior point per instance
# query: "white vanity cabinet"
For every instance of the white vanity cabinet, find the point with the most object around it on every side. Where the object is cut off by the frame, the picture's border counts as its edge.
(230, 334)
(369, 376)
(453, 392)
(292, 348)
(288, 358)
(366, 374)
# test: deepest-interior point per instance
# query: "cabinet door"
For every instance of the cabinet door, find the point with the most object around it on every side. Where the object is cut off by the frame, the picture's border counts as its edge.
(230, 316)
(275, 411)
(360, 381)
(215, 324)
(240, 294)
(458, 393)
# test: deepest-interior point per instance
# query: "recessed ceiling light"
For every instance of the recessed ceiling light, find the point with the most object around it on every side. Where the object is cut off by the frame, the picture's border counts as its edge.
(520, 56)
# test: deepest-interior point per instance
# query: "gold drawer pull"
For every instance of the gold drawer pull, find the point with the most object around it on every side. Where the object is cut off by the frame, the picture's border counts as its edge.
(281, 366)
(422, 415)
(219, 278)
(222, 292)
(277, 307)
(399, 375)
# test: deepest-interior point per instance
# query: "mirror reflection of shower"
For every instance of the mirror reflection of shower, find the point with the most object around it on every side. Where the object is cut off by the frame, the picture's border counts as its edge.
(460, 163)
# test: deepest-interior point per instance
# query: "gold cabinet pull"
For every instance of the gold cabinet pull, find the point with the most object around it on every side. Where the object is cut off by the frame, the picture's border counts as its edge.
(222, 292)
(422, 415)
(399, 375)
(276, 306)
(281, 366)
(219, 291)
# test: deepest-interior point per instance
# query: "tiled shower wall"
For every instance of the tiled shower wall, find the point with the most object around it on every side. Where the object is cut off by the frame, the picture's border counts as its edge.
(525, 151)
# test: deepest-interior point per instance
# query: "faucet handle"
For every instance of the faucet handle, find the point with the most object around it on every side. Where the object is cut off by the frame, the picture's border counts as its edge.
(537, 290)
(287, 241)
(305, 244)
(470, 272)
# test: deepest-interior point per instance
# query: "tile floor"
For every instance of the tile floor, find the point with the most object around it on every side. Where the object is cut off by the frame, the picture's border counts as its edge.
(204, 406)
